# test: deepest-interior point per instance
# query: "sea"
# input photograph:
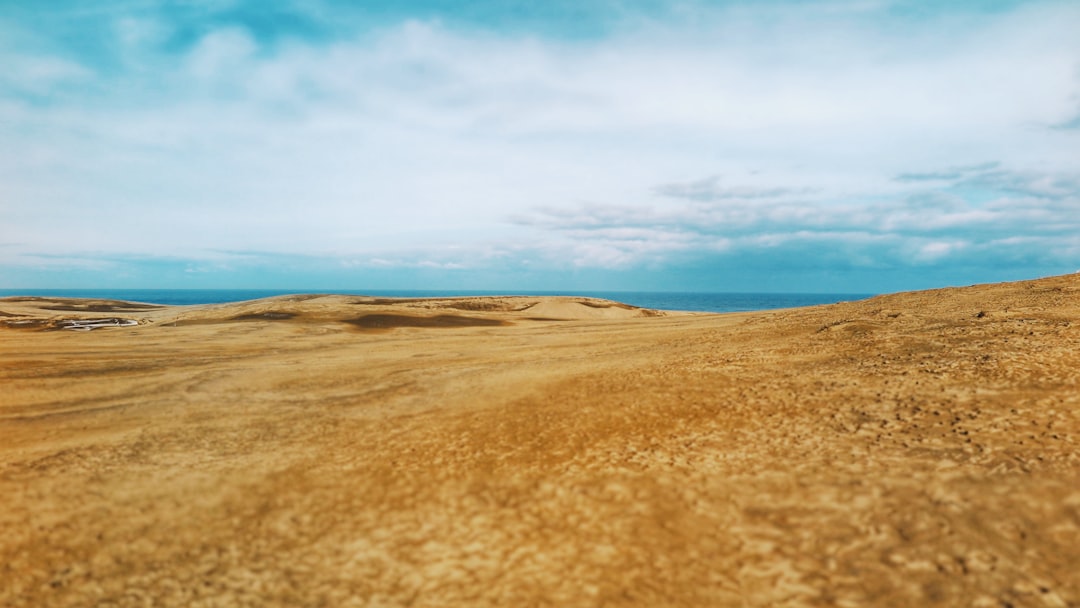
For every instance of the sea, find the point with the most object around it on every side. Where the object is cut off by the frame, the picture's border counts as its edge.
(695, 302)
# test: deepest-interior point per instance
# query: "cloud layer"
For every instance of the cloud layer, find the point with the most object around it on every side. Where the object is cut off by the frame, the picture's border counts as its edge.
(690, 141)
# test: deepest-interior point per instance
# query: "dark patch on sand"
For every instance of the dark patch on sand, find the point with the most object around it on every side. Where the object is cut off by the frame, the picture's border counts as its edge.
(384, 301)
(468, 304)
(190, 322)
(483, 304)
(487, 306)
(594, 304)
(390, 321)
(270, 315)
(101, 370)
(273, 315)
(80, 305)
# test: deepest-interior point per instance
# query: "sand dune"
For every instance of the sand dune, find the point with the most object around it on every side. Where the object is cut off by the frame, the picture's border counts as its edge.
(912, 449)
(52, 313)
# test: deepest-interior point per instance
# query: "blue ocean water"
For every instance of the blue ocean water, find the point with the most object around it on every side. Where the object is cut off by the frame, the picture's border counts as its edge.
(697, 302)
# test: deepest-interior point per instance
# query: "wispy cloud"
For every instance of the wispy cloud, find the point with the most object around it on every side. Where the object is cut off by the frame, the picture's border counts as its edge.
(1052, 186)
(712, 189)
(1036, 216)
(948, 174)
(991, 177)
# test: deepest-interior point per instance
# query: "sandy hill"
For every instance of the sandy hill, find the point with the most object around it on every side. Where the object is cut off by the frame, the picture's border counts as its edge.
(916, 449)
(48, 313)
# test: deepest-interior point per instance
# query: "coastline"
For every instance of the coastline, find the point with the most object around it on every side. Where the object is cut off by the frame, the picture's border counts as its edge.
(697, 302)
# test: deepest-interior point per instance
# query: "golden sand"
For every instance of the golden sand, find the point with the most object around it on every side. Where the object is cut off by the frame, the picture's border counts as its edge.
(917, 449)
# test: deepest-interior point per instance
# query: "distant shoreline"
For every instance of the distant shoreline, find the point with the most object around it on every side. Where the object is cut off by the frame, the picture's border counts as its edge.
(693, 302)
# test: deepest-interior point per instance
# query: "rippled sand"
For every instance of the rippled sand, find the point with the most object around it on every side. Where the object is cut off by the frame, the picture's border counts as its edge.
(908, 450)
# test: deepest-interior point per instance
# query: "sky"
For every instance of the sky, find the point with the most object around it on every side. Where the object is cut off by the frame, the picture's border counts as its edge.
(852, 146)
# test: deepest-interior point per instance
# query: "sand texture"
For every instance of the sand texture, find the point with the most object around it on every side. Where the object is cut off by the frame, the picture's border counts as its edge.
(916, 449)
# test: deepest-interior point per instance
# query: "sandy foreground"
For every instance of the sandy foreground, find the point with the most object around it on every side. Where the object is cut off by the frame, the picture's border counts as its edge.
(908, 450)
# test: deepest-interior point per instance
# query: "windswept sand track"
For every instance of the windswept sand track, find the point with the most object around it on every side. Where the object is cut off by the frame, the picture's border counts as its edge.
(916, 449)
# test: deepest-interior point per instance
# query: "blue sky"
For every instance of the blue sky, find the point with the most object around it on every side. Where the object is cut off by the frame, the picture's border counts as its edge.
(850, 145)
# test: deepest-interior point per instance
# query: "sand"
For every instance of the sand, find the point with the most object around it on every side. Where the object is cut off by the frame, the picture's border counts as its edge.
(916, 449)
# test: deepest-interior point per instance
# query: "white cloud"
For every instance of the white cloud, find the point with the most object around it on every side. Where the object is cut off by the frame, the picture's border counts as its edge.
(936, 250)
(222, 55)
(36, 75)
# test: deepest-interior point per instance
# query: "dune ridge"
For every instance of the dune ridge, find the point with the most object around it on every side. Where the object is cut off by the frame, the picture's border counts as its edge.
(27, 312)
(909, 449)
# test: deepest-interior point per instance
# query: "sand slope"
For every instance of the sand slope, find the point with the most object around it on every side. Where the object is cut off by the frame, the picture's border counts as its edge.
(914, 449)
